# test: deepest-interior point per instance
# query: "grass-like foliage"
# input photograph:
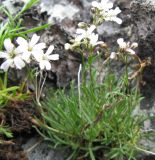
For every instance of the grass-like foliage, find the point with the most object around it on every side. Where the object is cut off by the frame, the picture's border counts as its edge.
(12, 27)
(5, 132)
(100, 120)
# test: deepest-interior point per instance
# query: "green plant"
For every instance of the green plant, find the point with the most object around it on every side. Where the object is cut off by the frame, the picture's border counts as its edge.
(10, 30)
(102, 121)
(96, 117)
(5, 131)
(13, 28)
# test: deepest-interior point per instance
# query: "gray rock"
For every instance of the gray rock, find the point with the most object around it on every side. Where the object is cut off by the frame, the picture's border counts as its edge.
(143, 12)
(143, 18)
(40, 150)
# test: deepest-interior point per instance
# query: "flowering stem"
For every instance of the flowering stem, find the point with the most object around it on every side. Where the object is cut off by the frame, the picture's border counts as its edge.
(126, 73)
(79, 87)
(5, 79)
(83, 71)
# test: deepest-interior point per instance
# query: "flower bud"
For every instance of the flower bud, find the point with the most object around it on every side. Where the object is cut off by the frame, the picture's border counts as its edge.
(67, 46)
(82, 25)
(134, 45)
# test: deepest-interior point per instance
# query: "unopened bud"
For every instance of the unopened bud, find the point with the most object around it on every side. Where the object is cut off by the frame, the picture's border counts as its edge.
(134, 45)
(82, 25)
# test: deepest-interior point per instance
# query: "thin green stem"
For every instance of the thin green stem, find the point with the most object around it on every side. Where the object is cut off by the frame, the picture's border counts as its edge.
(5, 79)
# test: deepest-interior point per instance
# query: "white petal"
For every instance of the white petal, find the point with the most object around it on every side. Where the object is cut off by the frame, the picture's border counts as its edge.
(113, 55)
(95, 4)
(80, 31)
(67, 46)
(47, 65)
(19, 63)
(91, 29)
(134, 45)
(26, 56)
(42, 65)
(8, 45)
(93, 39)
(130, 51)
(5, 65)
(22, 42)
(21, 49)
(117, 10)
(99, 42)
(38, 56)
(120, 40)
(117, 20)
(50, 50)
(106, 5)
(39, 46)
(109, 5)
(4, 55)
(121, 43)
(34, 40)
(53, 57)
(79, 38)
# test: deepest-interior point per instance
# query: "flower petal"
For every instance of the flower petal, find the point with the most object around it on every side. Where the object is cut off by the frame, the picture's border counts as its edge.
(80, 31)
(34, 40)
(113, 55)
(134, 45)
(42, 65)
(4, 55)
(53, 57)
(39, 46)
(67, 46)
(19, 63)
(26, 56)
(22, 42)
(117, 20)
(38, 56)
(91, 29)
(47, 65)
(121, 43)
(5, 65)
(130, 51)
(95, 4)
(93, 39)
(8, 45)
(50, 50)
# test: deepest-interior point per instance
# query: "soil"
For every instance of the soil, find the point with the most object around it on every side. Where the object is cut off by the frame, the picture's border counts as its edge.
(18, 116)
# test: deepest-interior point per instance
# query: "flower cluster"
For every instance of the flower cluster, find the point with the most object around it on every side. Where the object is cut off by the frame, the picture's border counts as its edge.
(104, 12)
(124, 47)
(27, 51)
(84, 35)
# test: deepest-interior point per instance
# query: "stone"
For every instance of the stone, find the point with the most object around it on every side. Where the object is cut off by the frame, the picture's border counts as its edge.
(143, 19)
(37, 149)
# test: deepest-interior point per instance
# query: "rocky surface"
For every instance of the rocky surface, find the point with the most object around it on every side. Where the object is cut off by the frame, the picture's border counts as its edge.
(143, 19)
(36, 149)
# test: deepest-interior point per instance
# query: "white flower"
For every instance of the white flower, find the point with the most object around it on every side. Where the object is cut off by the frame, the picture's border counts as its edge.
(121, 43)
(67, 46)
(31, 47)
(84, 33)
(103, 5)
(134, 45)
(12, 56)
(111, 15)
(94, 40)
(106, 11)
(113, 55)
(44, 58)
(126, 46)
